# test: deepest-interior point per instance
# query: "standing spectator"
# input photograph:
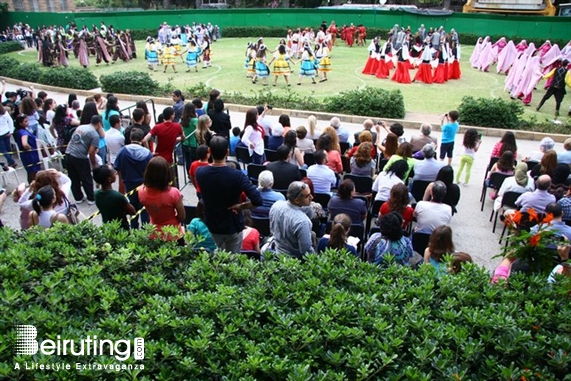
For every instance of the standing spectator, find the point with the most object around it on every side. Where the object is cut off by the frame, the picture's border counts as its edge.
(189, 121)
(289, 223)
(344, 203)
(26, 142)
(253, 137)
(130, 164)
(6, 130)
(61, 126)
(114, 139)
(178, 105)
(337, 238)
(28, 108)
(203, 155)
(221, 188)
(113, 205)
(163, 202)
(80, 154)
(111, 108)
(390, 241)
(221, 124)
(449, 130)
(138, 119)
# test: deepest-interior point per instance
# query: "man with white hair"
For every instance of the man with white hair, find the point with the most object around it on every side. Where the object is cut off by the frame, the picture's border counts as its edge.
(546, 144)
(341, 132)
(367, 126)
(418, 141)
(265, 184)
(427, 169)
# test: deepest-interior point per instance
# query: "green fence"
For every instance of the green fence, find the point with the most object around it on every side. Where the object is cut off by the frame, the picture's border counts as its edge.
(525, 26)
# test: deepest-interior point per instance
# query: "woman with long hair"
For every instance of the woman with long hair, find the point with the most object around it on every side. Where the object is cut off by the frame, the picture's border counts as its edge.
(49, 107)
(60, 183)
(44, 214)
(399, 201)
(335, 138)
(60, 127)
(338, 236)
(446, 175)
(203, 133)
(312, 131)
(6, 130)
(101, 101)
(390, 241)
(253, 137)
(162, 201)
(285, 122)
(471, 145)
(546, 165)
(296, 157)
(507, 143)
(214, 95)
(325, 142)
(404, 152)
(111, 108)
(344, 202)
(143, 105)
(189, 121)
(26, 142)
(504, 165)
(281, 65)
(361, 163)
(440, 244)
(89, 110)
(385, 181)
(390, 147)
(28, 107)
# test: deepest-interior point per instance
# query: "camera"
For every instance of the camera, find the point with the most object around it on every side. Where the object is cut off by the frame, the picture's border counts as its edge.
(270, 107)
(22, 93)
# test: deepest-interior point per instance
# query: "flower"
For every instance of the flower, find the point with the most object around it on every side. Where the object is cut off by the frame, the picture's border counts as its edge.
(534, 240)
(547, 219)
(516, 218)
(532, 215)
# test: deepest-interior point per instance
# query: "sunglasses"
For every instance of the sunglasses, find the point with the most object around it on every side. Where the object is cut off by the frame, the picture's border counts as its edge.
(299, 192)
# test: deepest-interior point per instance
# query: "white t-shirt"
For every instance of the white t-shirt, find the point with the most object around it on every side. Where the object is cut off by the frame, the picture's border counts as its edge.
(383, 184)
(115, 141)
(6, 124)
(430, 215)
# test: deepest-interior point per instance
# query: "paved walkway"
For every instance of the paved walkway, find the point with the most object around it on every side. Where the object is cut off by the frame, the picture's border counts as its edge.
(472, 230)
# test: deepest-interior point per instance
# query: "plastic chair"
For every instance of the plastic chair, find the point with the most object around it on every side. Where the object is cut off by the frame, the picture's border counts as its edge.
(493, 160)
(531, 165)
(322, 199)
(508, 201)
(344, 147)
(243, 156)
(262, 224)
(5, 175)
(308, 159)
(420, 242)
(496, 181)
(254, 171)
(271, 155)
(346, 162)
(190, 213)
(46, 157)
(363, 184)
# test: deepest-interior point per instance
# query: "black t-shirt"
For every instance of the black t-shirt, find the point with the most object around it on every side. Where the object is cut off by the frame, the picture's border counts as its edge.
(144, 127)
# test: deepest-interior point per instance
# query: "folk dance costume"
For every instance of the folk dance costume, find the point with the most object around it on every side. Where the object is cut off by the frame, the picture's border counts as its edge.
(439, 75)
(529, 79)
(131, 42)
(262, 69)
(61, 54)
(324, 64)
(454, 68)
(307, 65)
(82, 54)
(169, 57)
(384, 62)
(206, 52)
(151, 53)
(295, 44)
(120, 50)
(506, 58)
(424, 72)
(101, 51)
(281, 64)
(550, 61)
(176, 43)
(372, 61)
(562, 77)
(402, 75)
(251, 63)
(192, 53)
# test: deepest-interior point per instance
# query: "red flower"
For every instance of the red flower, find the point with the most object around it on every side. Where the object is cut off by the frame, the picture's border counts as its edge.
(548, 218)
(534, 241)
(516, 218)
(532, 215)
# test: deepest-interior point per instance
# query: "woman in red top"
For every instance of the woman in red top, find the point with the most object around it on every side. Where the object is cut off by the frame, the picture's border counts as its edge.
(325, 142)
(163, 202)
(507, 143)
(250, 235)
(398, 202)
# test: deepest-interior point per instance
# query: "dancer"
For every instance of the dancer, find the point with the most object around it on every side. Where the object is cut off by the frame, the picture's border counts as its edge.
(281, 65)
(169, 54)
(372, 61)
(206, 52)
(324, 65)
(307, 65)
(151, 53)
(262, 69)
(101, 49)
(176, 43)
(401, 75)
(82, 53)
(439, 75)
(506, 58)
(424, 72)
(562, 77)
(192, 52)
(454, 72)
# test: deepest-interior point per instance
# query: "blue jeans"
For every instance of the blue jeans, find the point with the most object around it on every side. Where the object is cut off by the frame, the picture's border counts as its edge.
(5, 147)
(103, 154)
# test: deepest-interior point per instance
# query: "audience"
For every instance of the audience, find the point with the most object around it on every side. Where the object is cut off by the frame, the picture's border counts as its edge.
(390, 241)
(419, 141)
(387, 179)
(398, 202)
(546, 165)
(203, 155)
(112, 205)
(427, 169)
(564, 157)
(269, 196)
(452, 197)
(295, 154)
(344, 203)
(200, 231)
(538, 199)
(276, 137)
(546, 144)
(505, 166)
(44, 214)
(326, 143)
(507, 143)
(250, 235)
(440, 244)
(367, 127)
(337, 239)
(322, 177)
(361, 163)
(284, 172)
(404, 152)
(304, 144)
(519, 182)
(364, 137)
(433, 213)
(342, 133)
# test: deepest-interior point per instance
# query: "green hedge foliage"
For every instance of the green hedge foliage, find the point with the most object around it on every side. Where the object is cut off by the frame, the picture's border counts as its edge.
(10, 46)
(74, 78)
(490, 112)
(226, 317)
(7, 63)
(30, 72)
(129, 82)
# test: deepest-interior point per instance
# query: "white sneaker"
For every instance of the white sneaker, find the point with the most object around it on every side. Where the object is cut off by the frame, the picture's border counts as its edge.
(90, 202)
(80, 201)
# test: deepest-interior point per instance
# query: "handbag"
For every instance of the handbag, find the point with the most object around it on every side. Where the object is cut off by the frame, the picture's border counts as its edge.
(73, 214)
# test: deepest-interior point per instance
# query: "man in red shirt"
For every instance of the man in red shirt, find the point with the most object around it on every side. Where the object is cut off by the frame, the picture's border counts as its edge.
(168, 134)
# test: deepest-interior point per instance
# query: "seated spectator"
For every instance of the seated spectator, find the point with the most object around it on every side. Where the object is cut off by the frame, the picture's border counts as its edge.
(560, 181)
(325, 142)
(430, 214)
(505, 165)
(362, 164)
(276, 139)
(537, 199)
(162, 201)
(305, 144)
(316, 212)
(519, 182)
(459, 260)
(284, 121)
(333, 133)
(200, 231)
(440, 244)
(564, 157)
(202, 154)
(398, 201)
(507, 143)
(250, 235)
(390, 146)
(322, 177)
(265, 184)
(546, 165)
(404, 152)
(342, 133)
(44, 214)
(546, 144)
(427, 169)
(295, 154)
(284, 172)
(420, 140)
(312, 131)
(559, 228)
(289, 223)
(387, 179)
(446, 175)
(337, 238)
(390, 241)
(398, 130)
(364, 137)
(112, 205)
(565, 203)
(344, 202)
(367, 127)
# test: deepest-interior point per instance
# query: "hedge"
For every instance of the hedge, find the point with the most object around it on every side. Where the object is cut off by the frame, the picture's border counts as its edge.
(226, 317)
(73, 78)
(10, 46)
(490, 112)
(129, 82)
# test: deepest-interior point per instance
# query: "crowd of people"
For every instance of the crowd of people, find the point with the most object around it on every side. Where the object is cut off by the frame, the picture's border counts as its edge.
(525, 65)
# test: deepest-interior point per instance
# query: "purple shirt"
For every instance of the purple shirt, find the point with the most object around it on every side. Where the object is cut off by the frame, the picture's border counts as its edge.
(536, 200)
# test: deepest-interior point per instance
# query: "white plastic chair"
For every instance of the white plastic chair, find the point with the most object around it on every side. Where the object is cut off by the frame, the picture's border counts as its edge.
(45, 154)
(5, 174)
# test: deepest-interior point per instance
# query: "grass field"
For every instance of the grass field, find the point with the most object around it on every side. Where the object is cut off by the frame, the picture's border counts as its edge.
(227, 74)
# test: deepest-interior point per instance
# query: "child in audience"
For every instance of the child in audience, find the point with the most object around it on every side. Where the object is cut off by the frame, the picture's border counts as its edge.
(250, 235)
(234, 139)
(471, 145)
(198, 228)
(338, 236)
(44, 214)
(440, 243)
(203, 155)
(113, 205)
(458, 262)
(449, 130)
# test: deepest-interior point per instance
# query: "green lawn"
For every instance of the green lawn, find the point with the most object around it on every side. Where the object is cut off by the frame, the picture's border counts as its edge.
(227, 74)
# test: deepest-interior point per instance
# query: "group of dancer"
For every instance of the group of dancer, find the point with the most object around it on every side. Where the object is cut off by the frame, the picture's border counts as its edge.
(525, 65)
(313, 60)
(433, 52)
